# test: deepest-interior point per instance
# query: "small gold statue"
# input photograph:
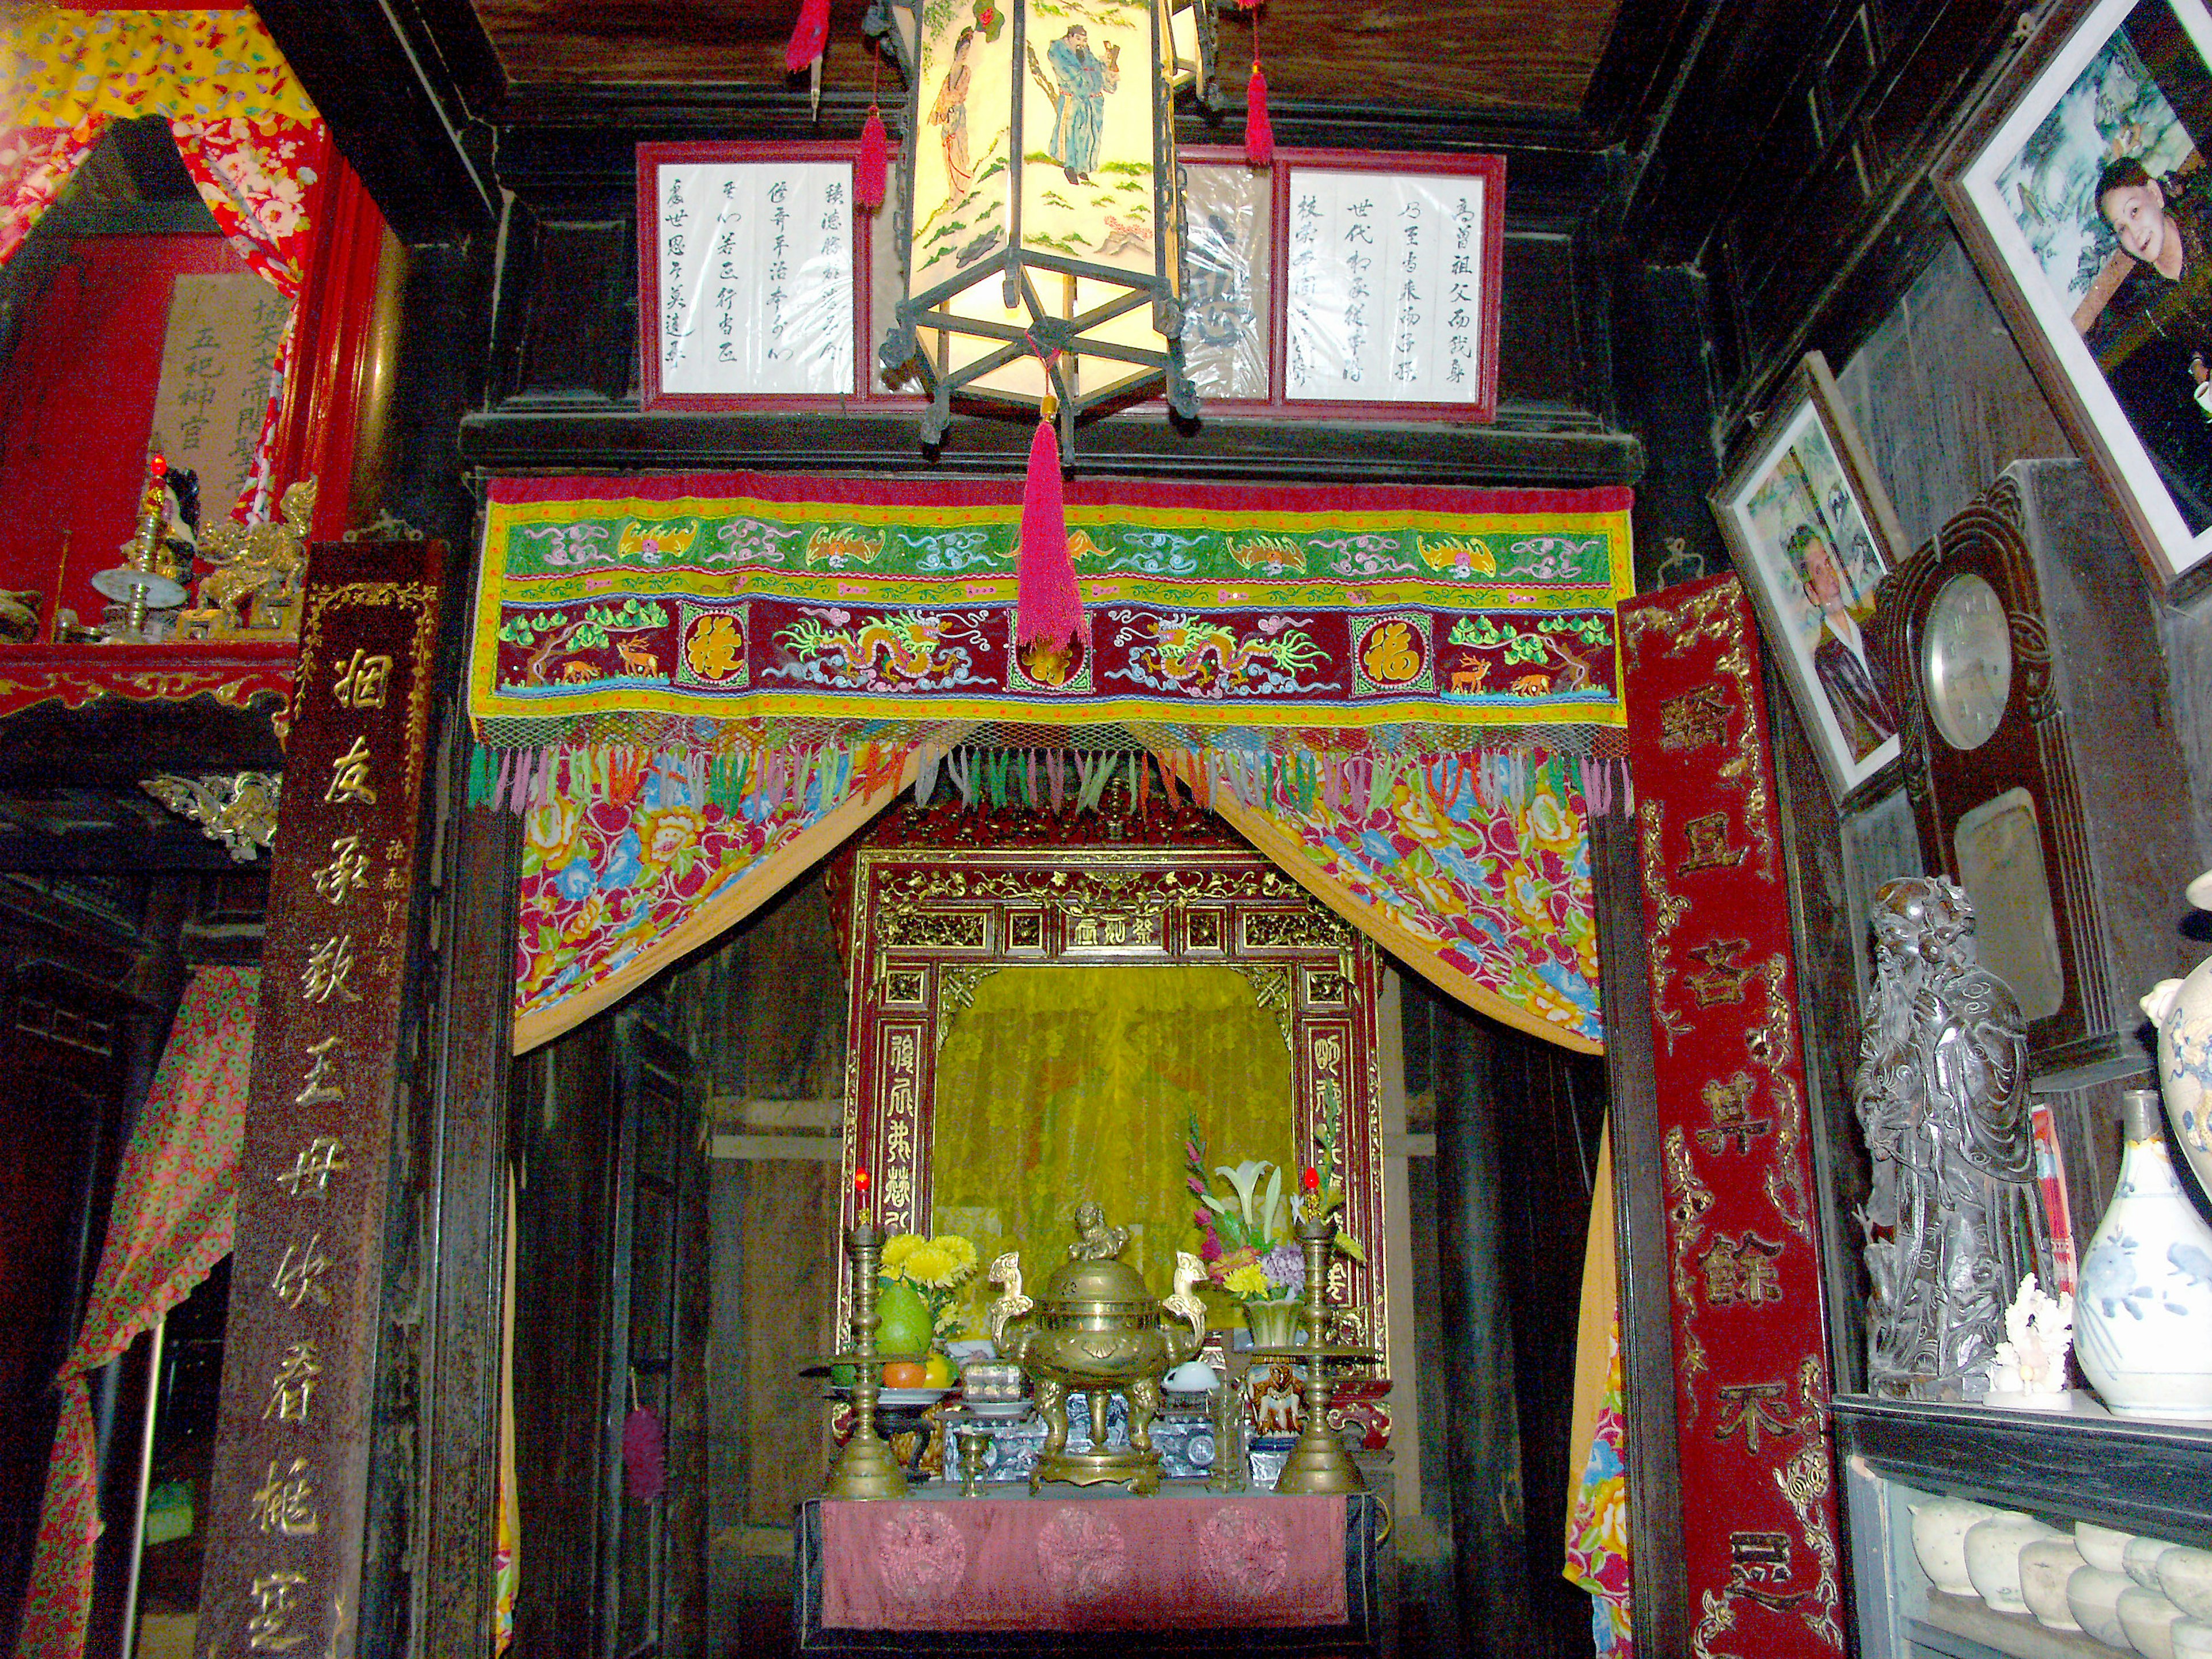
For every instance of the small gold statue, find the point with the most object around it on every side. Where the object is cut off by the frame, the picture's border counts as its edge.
(1094, 1240)
(253, 591)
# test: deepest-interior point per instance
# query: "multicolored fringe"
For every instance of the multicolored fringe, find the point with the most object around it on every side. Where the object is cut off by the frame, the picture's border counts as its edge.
(1046, 780)
(760, 781)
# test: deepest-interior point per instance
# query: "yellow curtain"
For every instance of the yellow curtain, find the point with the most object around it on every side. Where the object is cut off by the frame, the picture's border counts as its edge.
(1063, 1084)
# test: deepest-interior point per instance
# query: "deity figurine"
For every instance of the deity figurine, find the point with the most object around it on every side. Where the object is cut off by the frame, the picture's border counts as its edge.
(1954, 1221)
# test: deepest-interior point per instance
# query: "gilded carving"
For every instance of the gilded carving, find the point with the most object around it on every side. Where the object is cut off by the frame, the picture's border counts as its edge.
(1741, 1270)
(1309, 928)
(1804, 1481)
(1719, 1619)
(1668, 911)
(285, 1502)
(238, 810)
(1752, 1409)
(1270, 988)
(1722, 978)
(1688, 1200)
(1727, 1103)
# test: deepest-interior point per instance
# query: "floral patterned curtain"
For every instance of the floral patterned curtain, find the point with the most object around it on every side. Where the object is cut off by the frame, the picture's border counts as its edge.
(175, 1201)
(251, 141)
(631, 858)
(1473, 869)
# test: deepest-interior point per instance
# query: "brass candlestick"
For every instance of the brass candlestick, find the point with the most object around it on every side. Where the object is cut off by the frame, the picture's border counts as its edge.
(866, 1468)
(1318, 1462)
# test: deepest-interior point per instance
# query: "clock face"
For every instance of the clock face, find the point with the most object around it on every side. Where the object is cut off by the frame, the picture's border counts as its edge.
(1966, 662)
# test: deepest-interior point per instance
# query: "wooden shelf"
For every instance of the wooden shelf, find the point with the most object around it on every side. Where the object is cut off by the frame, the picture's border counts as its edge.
(2146, 1476)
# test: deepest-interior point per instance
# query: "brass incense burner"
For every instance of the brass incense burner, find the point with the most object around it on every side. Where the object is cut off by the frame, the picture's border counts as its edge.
(1098, 1330)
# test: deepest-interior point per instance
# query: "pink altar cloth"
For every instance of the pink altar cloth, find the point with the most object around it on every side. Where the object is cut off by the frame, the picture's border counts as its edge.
(985, 1564)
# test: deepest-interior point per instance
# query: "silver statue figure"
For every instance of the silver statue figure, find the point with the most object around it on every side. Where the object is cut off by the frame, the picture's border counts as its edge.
(1954, 1220)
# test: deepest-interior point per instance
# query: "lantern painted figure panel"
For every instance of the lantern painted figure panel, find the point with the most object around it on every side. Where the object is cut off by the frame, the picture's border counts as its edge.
(960, 154)
(1045, 246)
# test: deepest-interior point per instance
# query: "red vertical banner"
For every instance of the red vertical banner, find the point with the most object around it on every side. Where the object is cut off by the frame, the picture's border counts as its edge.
(1750, 1361)
(284, 1530)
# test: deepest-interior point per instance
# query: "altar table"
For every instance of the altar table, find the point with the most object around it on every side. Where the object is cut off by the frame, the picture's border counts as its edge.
(1183, 1572)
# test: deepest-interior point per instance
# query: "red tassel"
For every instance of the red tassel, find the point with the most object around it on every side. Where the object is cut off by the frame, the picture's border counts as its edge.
(809, 36)
(1048, 605)
(868, 173)
(1259, 130)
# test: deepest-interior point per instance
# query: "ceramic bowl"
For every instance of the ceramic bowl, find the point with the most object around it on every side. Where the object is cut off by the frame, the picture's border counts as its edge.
(970, 1349)
(1939, 1539)
(2139, 1560)
(2045, 1564)
(2185, 1576)
(1993, 1548)
(2093, 1597)
(2149, 1619)
(2100, 1546)
(2193, 1639)
(1192, 1376)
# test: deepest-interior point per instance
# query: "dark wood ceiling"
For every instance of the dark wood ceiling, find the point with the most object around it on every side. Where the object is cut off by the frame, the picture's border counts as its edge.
(1533, 55)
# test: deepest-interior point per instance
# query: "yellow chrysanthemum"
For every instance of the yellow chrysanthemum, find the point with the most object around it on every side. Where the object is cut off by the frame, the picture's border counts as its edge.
(961, 1251)
(1247, 1281)
(896, 1249)
(929, 1265)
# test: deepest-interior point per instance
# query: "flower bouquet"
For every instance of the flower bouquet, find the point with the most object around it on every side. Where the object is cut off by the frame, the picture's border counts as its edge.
(1245, 1241)
(917, 1303)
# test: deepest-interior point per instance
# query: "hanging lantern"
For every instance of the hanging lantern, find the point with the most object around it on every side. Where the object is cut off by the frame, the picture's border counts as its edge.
(1042, 217)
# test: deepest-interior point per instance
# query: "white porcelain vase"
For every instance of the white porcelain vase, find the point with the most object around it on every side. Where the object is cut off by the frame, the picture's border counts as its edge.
(2142, 1314)
(2182, 1011)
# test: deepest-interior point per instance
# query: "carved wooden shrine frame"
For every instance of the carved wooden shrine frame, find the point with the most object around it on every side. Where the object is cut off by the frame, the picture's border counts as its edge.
(927, 924)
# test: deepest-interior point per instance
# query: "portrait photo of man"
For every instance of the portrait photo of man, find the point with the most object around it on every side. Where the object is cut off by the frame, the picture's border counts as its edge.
(1840, 660)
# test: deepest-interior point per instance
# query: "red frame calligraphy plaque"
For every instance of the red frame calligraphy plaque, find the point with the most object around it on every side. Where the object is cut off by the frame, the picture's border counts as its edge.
(285, 1527)
(1751, 1370)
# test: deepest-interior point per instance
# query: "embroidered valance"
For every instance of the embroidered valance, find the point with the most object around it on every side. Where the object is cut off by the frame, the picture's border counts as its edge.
(629, 608)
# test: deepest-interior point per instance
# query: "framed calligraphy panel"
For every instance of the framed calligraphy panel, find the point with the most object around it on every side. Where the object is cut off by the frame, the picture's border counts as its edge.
(287, 1514)
(753, 268)
(1392, 280)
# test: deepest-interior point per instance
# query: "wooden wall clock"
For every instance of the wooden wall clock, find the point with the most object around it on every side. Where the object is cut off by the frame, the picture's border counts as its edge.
(2039, 752)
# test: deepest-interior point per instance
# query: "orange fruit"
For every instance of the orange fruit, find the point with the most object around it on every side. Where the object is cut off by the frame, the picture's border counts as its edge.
(904, 1374)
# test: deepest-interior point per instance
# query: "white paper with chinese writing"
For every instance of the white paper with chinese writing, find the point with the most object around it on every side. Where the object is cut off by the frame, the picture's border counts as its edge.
(756, 278)
(1385, 301)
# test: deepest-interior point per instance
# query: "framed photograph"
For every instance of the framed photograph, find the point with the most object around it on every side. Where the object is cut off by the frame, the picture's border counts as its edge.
(1813, 535)
(2079, 188)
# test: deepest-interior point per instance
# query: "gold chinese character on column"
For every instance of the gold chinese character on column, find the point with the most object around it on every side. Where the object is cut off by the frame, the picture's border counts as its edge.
(349, 779)
(293, 1385)
(329, 965)
(317, 1164)
(286, 1502)
(1741, 1270)
(301, 1279)
(347, 870)
(362, 683)
(320, 1088)
(272, 1594)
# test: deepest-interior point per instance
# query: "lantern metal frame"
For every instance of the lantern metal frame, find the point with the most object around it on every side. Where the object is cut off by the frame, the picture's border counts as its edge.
(1057, 339)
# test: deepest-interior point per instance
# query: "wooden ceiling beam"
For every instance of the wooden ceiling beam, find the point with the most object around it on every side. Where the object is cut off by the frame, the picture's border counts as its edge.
(406, 86)
(1546, 452)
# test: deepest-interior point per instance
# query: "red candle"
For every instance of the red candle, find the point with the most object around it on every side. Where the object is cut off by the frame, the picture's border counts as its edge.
(1313, 1179)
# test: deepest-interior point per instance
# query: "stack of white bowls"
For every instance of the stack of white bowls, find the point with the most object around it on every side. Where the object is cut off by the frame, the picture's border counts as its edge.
(2136, 1595)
